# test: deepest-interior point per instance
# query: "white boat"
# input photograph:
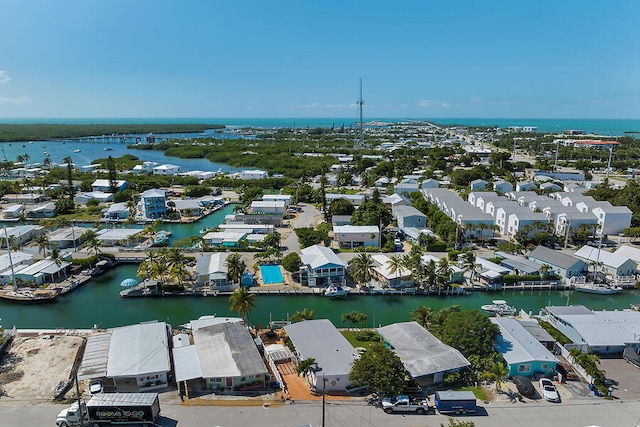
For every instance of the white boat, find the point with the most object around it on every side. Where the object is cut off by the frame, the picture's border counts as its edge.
(108, 149)
(595, 288)
(499, 306)
(76, 151)
(337, 291)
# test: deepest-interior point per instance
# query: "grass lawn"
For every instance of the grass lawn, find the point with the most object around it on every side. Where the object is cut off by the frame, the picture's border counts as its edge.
(351, 337)
(477, 391)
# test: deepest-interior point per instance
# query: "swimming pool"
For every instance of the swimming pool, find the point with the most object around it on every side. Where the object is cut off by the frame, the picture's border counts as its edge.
(271, 274)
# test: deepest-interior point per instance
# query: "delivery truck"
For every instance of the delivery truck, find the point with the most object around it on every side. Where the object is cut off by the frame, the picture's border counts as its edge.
(459, 402)
(112, 408)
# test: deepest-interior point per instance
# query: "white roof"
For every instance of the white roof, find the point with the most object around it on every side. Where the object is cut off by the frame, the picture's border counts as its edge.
(628, 252)
(45, 266)
(166, 167)
(517, 345)
(347, 229)
(138, 349)
(318, 256)
(105, 183)
(112, 234)
(606, 258)
(154, 192)
(212, 264)
(187, 204)
(14, 208)
(421, 353)
(321, 340)
(224, 236)
(118, 207)
(268, 204)
(186, 362)
(16, 258)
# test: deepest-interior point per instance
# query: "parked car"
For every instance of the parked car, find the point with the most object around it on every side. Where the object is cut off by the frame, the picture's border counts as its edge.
(567, 372)
(549, 391)
(96, 386)
(524, 386)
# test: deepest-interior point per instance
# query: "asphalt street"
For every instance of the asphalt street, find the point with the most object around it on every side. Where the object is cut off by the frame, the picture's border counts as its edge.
(575, 413)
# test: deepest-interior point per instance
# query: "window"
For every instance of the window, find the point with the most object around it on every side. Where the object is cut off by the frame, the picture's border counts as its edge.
(545, 366)
(524, 368)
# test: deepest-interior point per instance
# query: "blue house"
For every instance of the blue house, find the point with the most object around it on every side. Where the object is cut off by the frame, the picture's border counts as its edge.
(524, 354)
(153, 203)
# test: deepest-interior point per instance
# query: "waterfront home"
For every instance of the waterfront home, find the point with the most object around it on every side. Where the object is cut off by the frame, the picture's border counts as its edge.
(355, 236)
(478, 184)
(264, 218)
(201, 174)
(68, 237)
(122, 237)
(145, 167)
(166, 169)
(23, 198)
(117, 211)
(13, 211)
(564, 265)
(429, 183)
(601, 332)
(334, 355)
(18, 259)
(100, 196)
(501, 186)
(525, 355)
(153, 204)
(629, 252)
(606, 262)
(38, 273)
(20, 234)
(286, 198)
(408, 216)
(247, 228)
(425, 357)
(381, 271)
(188, 207)
(227, 239)
(321, 267)
(251, 174)
(129, 358)
(47, 210)
(103, 185)
(455, 272)
(211, 270)
(275, 207)
(223, 356)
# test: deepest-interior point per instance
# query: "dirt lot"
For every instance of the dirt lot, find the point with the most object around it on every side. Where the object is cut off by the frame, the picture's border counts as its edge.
(35, 363)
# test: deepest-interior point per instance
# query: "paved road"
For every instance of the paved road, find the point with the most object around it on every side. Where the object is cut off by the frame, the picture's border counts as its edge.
(307, 218)
(576, 413)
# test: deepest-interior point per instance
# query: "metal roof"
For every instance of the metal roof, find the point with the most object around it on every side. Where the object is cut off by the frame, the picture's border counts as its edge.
(213, 263)
(364, 229)
(322, 341)
(517, 345)
(122, 399)
(421, 353)
(384, 268)
(186, 363)
(94, 359)
(534, 328)
(227, 350)
(555, 258)
(138, 349)
(320, 256)
(605, 257)
(629, 252)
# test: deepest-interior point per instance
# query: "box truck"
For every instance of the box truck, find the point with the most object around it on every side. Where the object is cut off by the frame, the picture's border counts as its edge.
(112, 408)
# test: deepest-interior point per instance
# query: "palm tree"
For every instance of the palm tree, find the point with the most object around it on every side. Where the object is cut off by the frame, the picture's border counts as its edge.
(242, 302)
(360, 268)
(305, 314)
(175, 256)
(395, 266)
(159, 271)
(469, 263)
(92, 242)
(482, 226)
(422, 315)
(43, 243)
(497, 371)
(306, 366)
(131, 206)
(431, 274)
(444, 271)
(179, 272)
(235, 267)
(544, 270)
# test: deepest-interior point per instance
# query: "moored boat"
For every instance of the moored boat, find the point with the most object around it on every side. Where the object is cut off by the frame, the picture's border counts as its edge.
(337, 291)
(597, 288)
(498, 306)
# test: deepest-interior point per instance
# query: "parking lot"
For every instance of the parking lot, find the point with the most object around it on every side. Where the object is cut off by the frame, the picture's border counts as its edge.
(626, 377)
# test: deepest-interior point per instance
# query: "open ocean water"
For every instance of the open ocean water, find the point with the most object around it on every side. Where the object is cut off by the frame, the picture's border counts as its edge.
(606, 127)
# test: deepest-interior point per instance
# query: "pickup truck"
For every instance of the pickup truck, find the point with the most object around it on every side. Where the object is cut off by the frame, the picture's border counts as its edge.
(403, 403)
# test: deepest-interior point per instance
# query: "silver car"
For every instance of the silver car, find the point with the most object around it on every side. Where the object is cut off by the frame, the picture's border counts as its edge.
(549, 391)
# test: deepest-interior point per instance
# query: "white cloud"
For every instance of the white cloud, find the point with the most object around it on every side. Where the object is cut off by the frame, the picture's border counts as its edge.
(445, 104)
(425, 103)
(312, 105)
(14, 101)
(4, 77)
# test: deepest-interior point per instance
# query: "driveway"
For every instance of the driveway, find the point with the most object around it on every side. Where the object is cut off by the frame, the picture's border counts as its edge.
(625, 375)
(310, 216)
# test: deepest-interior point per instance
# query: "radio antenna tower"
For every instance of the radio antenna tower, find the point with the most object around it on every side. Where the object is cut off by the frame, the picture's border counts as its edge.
(359, 140)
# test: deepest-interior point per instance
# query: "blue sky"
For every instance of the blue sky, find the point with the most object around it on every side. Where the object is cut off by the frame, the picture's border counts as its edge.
(431, 59)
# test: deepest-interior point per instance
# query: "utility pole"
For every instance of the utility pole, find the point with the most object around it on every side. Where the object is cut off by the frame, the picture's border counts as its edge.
(359, 139)
(609, 162)
(324, 382)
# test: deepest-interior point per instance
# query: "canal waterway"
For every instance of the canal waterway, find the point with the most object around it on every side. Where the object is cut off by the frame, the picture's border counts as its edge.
(99, 303)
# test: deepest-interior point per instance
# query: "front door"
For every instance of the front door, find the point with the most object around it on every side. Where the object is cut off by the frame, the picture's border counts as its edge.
(229, 382)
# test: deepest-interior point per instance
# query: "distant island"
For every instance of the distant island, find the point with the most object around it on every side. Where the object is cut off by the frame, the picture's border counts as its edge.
(47, 131)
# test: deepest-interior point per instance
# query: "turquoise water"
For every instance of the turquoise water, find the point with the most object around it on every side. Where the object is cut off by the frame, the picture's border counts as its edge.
(271, 274)
(598, 126)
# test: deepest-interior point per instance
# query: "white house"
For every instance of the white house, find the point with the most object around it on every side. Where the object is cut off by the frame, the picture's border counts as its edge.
(278, 207)
(613, 219)
(211, 270)
(353, 236)
(525, 186)
(102, 185)
(100, 196)
(13, 211)
(117, 211)
(321, 267)
(166, 169)
(250, 174)
(382, 272)
(607, 262)
(517, 221)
